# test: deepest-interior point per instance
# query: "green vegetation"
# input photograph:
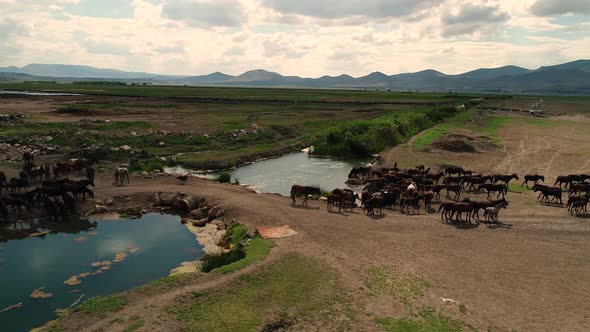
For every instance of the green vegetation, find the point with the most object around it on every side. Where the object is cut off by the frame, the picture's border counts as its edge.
(257, 250)
(294, 287)
(405, 287)
(268, 94)
(166, 283)
(101, 306)
(431, 135)
(362, 138)
(242, 254)
(115, 83)
(427, 320)
(213, 261)
(148, 165)
(135, 325)
(224, 177)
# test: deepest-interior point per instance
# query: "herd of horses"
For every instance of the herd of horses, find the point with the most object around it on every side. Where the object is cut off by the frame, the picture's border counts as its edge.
(408, 188)
(53, 192)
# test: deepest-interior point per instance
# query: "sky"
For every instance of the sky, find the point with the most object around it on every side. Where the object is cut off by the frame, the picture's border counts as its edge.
(307, 38)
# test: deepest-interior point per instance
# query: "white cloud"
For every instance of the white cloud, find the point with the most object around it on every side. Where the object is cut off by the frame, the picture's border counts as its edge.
(203, 13)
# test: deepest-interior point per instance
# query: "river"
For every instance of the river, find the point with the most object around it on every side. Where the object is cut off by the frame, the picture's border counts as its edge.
(277, 175)
(128, 253)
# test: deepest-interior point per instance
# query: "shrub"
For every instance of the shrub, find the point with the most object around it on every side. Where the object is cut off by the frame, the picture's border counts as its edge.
(224, 177)
(213, 261)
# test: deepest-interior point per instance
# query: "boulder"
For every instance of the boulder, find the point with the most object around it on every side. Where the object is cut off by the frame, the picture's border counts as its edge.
(197, 214)
(200, 222)
(212, 214)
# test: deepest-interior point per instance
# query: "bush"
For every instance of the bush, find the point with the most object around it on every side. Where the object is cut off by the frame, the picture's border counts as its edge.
(364, 137)
(224, 177)
(137, 166)
(211, 262)
(237, 233)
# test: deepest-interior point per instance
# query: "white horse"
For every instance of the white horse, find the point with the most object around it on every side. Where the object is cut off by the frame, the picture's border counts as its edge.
(120, 174)
(491, 213)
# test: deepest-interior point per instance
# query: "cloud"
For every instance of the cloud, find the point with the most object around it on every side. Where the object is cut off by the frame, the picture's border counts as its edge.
(339, 9)
(472, 18)
(206, 13)
(560, 7)
(10, 27)
(282, 47)
(105, 47)
(178, 48)
(235, 51)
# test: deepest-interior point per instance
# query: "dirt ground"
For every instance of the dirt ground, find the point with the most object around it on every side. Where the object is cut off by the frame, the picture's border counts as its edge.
(530, 273)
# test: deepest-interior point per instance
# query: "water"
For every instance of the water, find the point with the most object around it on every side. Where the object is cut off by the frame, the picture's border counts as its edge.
(162, 243)
(279, 174)
(35, 93)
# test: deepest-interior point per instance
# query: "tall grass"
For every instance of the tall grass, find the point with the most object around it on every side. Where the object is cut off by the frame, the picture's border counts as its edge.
(362, 138)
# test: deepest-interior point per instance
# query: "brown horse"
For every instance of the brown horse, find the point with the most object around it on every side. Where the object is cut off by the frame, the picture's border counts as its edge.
(532, 178)
(305, 191)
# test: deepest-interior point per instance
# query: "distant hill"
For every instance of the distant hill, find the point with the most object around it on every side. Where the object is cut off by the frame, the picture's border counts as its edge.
(572, 77)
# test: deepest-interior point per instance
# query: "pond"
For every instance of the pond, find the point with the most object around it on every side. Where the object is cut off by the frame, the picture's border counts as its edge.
(35, 93)
(277, 175)
(128, 253)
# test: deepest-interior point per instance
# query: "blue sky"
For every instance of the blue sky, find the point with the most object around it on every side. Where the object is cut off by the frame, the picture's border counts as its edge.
(304, 37)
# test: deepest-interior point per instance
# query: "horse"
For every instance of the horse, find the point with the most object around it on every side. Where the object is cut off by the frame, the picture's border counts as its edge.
(90, 174)
(374, 203)
(505, 178)
(364, 171)
(121, 174)
(335, 200)
(461, 207)
(491, 213)
(576, 188)
(306, 191)
(456, 189)
(435, 177)
(182, 178)
(3, 182)
(428, 198)
(546, 192)
(501, 189)
(483, 205)
(532, 178)
(414, 202)
(577, 204)
(454, 170)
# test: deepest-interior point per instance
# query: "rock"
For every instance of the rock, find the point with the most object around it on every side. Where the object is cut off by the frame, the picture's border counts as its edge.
(184, 221)
(251, 233)
(110, 202)
(163, 158)
(133, 134)
(212, 214)
(200, 222)
(161, 143)
(197, 214)
(99, 209)
(125, 148)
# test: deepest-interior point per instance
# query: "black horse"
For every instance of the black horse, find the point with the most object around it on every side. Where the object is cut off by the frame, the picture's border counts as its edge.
(532, 178)
(306, 191)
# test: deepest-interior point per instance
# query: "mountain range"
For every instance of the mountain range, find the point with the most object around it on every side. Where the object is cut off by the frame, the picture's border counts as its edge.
(568, 78)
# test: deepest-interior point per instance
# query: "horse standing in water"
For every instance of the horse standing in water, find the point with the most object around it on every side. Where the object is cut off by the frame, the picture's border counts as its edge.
(306, 191)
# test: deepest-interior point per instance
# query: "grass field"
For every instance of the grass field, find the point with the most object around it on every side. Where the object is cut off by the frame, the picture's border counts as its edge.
(213, 128)
(266, 94)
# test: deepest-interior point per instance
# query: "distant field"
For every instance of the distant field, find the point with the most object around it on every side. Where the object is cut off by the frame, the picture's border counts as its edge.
(211, 128)
(267, 94)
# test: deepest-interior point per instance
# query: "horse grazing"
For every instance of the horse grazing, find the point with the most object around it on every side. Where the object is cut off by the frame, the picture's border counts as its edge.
(532, 178)
(121, 174)
(505, 178)
(491, 213)
(305, 191)
(182, 178)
